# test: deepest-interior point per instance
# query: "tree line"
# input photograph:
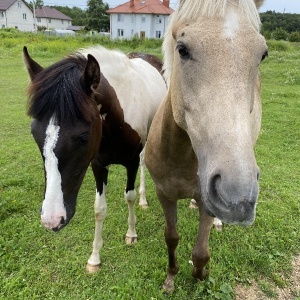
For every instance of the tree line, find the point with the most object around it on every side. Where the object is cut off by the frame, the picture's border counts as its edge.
(281, 26)
(278, 26)
(94, 17)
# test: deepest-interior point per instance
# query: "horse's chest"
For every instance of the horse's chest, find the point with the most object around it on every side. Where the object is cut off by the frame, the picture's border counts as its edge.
(120, 146)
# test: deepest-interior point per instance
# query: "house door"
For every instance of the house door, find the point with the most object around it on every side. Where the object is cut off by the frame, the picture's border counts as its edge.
(142, 34)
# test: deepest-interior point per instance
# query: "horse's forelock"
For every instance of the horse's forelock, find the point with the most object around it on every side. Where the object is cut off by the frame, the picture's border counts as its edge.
(56, 91)
(191, 10)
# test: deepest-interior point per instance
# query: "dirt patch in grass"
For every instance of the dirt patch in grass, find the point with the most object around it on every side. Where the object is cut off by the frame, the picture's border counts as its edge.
(291, 292)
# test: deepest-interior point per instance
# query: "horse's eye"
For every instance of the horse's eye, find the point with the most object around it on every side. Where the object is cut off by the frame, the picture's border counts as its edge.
(266, 54)
(83, 139)
(183, 52)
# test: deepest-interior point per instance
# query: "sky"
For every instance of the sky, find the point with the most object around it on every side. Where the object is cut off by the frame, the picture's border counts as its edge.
(288, 6)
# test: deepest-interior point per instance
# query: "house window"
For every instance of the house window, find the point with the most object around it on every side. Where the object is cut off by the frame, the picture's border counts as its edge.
(143, 18)
(133, 18)
(62, 21)
(120, 17)
(3, 26)
(38, 20)
(158, 34)
(49, 20)
(1, 14)
(24, 16)
(120, 32)
(19, 4)
(158, 19)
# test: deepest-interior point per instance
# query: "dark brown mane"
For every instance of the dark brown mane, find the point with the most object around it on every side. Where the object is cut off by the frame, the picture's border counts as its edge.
(56, 91)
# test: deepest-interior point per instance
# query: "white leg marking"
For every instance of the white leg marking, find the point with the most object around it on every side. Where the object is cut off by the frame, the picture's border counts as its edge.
(131, 236)
(142, 190)
(218, 224)
(53, 209)
(100, 215)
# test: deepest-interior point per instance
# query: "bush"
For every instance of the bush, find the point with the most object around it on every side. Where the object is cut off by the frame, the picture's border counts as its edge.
(280, 34)
(274, 45)
(294, 36)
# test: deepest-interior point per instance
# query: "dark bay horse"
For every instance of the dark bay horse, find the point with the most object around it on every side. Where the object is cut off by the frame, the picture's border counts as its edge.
(201, 140)
(94, 106)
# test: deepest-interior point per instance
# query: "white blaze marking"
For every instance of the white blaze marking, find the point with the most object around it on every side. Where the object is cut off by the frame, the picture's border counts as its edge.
(231, 25)
(53, 205)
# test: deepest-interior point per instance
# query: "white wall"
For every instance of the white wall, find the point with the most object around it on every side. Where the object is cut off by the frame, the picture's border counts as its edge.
(19, 15)
(131, 24)
(53, 23)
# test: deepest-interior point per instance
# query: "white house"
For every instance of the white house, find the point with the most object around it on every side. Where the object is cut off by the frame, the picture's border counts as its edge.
(16, 14)
(142, 18)
(51, 18)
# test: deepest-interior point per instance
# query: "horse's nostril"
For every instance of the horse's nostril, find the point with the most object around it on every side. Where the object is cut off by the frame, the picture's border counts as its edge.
(213, 185)
(258, 174)
(62, 221)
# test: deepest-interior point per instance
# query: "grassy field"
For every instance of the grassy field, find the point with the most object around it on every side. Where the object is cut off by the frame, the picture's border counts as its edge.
(39, 264)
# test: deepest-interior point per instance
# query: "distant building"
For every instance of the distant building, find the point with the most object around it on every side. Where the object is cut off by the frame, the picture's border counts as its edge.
(142, 18)
(16, 14)
(51, 18)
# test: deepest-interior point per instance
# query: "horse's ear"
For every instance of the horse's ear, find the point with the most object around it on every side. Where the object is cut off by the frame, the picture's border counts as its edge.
(258, 3)
(91, 75)
(32, 66)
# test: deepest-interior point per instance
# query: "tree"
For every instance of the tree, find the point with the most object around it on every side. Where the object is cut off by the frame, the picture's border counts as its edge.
(78, 15)
(97, 18)
(37, 3)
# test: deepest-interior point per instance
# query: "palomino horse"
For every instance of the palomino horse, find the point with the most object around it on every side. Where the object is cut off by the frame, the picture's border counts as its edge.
(83, 114)
(201, 140)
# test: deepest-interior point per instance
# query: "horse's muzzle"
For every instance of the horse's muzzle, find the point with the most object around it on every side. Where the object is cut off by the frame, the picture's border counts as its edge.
(232, 203)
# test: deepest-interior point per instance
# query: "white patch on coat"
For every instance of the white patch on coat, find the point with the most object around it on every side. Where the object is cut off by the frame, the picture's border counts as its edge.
(231, 25)
(140, 88)
(53, 209)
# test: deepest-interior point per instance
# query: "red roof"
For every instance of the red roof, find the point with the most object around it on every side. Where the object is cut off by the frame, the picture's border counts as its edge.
(143, 7)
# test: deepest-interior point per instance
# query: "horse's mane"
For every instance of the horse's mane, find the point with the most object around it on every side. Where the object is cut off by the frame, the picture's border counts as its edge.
(56, 91)
(191, 10)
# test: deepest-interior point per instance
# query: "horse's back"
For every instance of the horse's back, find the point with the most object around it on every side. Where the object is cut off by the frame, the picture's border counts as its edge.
(139, 86)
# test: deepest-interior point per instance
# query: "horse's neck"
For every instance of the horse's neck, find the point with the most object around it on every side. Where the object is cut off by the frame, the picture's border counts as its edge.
(110, 108)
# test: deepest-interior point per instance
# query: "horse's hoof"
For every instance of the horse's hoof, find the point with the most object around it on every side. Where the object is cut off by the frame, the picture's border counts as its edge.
(219, 227)
(129, 240)
(92, 268)
(193, 204)
(144, 206)
(168, 286)
(199, 274)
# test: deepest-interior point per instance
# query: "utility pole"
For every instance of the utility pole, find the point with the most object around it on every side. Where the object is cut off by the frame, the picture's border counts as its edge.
(34, 17)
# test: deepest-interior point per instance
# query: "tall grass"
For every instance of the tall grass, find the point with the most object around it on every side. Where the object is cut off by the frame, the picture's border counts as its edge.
(38, 264)
(42, 45)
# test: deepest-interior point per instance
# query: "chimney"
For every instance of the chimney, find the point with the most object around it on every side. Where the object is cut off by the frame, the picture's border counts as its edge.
(166, 3)
(131, 3)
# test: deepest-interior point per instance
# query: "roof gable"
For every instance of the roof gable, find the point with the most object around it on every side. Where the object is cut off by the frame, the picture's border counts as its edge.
(51, 13)
(143, 7)
(6, 4)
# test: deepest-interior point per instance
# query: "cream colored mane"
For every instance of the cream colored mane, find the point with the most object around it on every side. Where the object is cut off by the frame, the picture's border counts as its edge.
(191, 10)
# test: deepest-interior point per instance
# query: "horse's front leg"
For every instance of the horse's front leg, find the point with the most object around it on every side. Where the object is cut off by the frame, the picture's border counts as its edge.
(100, 208)
(171, 238)
(142, 190)
(130, 196)
(201, 255)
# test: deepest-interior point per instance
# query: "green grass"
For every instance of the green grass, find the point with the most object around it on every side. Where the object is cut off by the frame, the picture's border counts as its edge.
(39, 264)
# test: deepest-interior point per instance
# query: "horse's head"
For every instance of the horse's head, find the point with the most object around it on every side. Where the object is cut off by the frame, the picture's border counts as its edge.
(66, 127)
(215, 90)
